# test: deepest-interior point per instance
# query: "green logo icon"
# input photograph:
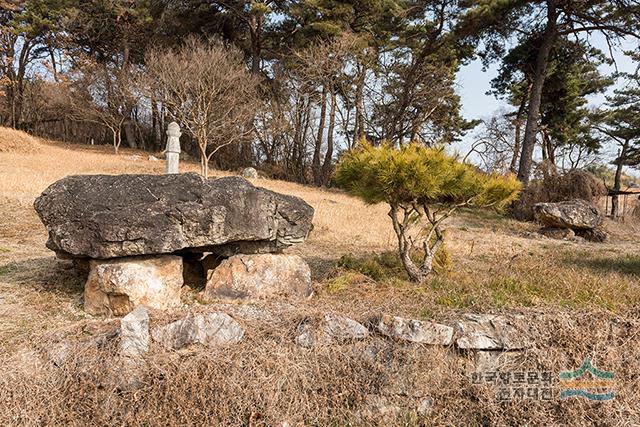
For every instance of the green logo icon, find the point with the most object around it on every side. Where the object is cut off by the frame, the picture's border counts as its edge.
(587, 381)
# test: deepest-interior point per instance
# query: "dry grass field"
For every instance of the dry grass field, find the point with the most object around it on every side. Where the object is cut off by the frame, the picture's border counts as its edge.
(494, 264)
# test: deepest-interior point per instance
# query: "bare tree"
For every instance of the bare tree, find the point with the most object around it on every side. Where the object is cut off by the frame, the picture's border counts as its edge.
(322, 67)
(105, 95)
(207, 89)
(495, 145)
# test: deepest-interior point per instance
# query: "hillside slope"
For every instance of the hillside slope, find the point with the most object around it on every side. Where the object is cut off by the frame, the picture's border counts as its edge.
(584, 296)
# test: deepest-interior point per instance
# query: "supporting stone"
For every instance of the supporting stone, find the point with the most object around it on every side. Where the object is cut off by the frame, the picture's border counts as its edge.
(116, 286)
(260, 276)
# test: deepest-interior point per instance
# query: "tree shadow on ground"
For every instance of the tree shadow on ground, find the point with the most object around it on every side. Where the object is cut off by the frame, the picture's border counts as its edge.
(46, 274)
(321, 268)
(622, 264)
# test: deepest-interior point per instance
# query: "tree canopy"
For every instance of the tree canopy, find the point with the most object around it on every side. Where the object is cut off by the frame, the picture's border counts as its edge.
(328, 72)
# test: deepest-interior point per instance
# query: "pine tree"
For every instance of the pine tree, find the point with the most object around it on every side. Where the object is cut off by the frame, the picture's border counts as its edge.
(27, 34)
(497, 21)
(423, 187)
(619, 122)
(572, 75)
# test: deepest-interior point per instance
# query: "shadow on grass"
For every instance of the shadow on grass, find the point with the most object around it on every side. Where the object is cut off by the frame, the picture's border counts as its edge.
(623, 264)
(46, 274)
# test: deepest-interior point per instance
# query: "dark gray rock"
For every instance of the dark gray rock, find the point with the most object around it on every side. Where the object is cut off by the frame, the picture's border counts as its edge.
(575, 214)
(597, 235)
(104, 216)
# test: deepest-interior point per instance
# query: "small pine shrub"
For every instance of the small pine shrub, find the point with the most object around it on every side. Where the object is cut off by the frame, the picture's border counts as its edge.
(422, 187)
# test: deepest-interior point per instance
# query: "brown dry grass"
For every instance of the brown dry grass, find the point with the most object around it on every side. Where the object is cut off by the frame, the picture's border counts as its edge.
(268, 381)
(496, 265)
(12, 141)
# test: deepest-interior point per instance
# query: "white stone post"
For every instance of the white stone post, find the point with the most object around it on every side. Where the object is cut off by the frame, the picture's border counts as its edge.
(172, 152)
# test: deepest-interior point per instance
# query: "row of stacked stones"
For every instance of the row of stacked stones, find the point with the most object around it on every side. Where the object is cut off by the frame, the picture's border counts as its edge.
(139, 234)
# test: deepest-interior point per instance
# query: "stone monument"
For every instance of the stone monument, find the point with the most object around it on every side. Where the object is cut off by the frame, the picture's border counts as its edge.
(172, 151)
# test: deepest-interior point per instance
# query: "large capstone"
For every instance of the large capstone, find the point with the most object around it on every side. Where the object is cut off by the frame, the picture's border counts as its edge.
(575, 214)
(104, 216)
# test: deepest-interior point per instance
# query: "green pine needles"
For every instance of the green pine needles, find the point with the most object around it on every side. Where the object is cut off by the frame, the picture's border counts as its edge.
(423, 186)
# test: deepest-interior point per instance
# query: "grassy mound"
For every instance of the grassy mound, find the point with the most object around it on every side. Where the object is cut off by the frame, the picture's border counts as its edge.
(15, 141)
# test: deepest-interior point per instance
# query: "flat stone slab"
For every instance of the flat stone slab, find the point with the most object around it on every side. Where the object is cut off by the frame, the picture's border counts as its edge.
(490, 332)
(417, 331)
(105, 216)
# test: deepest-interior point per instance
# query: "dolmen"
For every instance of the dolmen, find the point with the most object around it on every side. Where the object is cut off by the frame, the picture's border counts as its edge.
(570, 218)
(141, 234)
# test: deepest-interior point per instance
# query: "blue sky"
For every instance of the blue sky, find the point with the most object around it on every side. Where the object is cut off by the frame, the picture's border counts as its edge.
(474, 82)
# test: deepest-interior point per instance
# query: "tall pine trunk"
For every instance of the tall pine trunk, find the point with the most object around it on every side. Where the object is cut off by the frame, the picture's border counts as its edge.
(518, 136)
(359, 125)
(617, 182)
(542, 60)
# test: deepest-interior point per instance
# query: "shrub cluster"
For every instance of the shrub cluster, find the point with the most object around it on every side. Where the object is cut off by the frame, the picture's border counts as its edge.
(575, 184)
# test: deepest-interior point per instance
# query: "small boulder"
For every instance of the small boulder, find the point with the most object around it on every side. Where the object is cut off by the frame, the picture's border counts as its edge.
(249, 173)
(342, 328)
(489, 332)
(260, 276)
(332, 329)
(416, 331)
(575, 214)
(114, 287)
(134, 344)
(134, 333)
(596, 235)
(211, 330)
